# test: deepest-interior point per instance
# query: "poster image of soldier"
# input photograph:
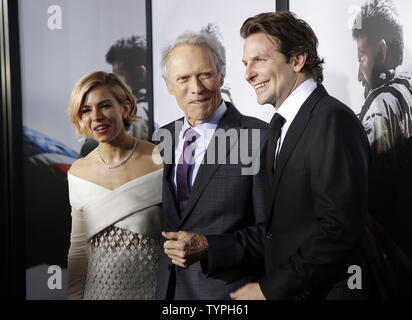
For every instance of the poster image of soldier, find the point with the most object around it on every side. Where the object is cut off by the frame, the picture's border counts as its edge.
(387, 111)
(387, 118)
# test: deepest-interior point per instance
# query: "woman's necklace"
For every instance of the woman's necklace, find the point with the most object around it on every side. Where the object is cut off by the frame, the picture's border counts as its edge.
(112, 166)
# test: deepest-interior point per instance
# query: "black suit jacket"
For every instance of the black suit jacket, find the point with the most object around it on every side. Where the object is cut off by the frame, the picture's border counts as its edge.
(316, 204)
(225, 206)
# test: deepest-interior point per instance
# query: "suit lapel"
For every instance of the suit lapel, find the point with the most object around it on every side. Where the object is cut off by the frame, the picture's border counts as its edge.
(168, 171)
(230, 120)
(293, 135)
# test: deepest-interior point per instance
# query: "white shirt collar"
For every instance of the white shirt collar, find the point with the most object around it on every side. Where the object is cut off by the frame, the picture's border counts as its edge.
(207, 128)
(290, 107)
(206, 131)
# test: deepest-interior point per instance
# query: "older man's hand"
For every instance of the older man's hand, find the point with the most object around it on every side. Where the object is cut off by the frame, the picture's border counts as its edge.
(185, 248)
(250, 291)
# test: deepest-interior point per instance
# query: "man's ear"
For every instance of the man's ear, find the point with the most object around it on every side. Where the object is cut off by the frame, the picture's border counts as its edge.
(382, 51)
(142, 72)
(221, 79)
(298, 61)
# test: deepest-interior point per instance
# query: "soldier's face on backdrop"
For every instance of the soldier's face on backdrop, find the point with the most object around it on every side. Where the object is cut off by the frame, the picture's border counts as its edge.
(134, 78)
(195, 82)
(368, 71)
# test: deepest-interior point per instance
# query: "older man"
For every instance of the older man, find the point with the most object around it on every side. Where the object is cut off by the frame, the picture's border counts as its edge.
(213, 211)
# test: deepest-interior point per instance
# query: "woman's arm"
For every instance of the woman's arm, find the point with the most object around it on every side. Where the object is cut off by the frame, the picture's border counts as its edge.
(77, 258)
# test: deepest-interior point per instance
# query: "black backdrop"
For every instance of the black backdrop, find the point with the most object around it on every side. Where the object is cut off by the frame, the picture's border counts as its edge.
(12, 214)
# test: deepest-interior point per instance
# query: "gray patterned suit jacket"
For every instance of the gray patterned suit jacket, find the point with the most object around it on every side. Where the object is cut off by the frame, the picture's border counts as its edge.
(225, 206)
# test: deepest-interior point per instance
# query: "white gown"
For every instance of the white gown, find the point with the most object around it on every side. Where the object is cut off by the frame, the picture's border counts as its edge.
(115, 238)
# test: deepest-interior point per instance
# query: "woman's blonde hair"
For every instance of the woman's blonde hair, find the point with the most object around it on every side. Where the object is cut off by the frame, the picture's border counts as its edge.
(120, 91)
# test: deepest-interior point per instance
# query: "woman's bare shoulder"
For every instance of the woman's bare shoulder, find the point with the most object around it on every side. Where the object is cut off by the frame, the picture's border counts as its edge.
(151, 155)
(82, 165)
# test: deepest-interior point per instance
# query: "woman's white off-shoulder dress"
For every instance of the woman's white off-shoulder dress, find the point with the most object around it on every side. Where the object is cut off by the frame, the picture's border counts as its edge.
(115, 238)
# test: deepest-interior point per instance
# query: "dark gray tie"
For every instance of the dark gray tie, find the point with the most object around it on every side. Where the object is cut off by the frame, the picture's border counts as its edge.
(184, 167)
(275, 128)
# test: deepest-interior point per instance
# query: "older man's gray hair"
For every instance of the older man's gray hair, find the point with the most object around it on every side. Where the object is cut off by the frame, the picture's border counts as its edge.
(206, 37)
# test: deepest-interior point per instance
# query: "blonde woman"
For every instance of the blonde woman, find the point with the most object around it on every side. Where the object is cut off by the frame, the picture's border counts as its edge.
(115, 198)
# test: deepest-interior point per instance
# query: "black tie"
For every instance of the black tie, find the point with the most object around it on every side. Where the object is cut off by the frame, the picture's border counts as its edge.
(275, 128)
